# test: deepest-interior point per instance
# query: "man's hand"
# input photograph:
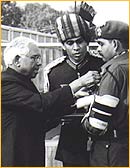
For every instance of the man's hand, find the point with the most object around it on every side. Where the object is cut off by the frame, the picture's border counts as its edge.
(88, 80)
(81, 93)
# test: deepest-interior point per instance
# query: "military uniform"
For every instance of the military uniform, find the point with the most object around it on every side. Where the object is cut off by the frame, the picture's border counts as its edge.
(72, 147)
(111, 149)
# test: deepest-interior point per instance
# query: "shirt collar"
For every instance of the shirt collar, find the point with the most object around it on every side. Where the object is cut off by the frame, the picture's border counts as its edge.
(80, 65)
(113, 60)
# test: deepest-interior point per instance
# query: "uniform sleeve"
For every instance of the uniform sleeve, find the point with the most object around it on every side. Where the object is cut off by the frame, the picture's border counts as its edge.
(111, 82)
(109, 102)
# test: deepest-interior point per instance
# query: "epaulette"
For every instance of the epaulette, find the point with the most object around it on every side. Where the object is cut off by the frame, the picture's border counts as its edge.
(48, 68)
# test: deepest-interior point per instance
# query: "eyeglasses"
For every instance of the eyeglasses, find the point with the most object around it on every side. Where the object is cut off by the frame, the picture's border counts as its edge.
(36, 58)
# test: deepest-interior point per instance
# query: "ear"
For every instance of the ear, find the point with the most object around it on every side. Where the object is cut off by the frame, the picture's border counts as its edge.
(17, 60)
(116, 44)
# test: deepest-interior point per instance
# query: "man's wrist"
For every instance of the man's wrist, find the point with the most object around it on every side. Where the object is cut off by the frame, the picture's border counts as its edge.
(75, 86)
(63, 85)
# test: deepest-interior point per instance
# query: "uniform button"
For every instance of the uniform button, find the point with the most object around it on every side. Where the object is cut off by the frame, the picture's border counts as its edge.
(107, 146)
(63, 123)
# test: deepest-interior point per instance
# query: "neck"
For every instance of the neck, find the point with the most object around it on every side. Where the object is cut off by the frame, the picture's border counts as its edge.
(76, 66)
(75, 63)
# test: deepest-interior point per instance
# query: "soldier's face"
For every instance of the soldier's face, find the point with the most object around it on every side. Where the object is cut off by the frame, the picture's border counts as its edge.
(76, 49)
(106, 49)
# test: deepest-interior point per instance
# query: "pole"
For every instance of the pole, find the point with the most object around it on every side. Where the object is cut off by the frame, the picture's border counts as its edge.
(75, 6)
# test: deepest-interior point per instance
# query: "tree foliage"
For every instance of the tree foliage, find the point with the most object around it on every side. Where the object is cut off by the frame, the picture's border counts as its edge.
(10, 14)
(34, 16)
(39, 17)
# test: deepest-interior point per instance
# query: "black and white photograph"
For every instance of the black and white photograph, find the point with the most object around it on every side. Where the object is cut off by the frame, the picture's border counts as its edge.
(64, 83)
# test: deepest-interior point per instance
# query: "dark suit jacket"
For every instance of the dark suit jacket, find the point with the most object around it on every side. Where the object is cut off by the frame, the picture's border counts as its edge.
(24, 111)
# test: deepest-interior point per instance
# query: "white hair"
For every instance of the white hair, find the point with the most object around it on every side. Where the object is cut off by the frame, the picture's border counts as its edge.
(18, 46)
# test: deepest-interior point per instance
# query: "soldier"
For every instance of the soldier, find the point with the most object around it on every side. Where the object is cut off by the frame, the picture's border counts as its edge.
(74, 33)
(107, 120)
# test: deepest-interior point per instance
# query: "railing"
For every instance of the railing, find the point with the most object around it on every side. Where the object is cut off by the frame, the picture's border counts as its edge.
(9, 33)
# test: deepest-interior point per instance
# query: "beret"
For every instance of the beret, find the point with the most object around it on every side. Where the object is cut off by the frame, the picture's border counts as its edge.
(71, 26)
(113, 30)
